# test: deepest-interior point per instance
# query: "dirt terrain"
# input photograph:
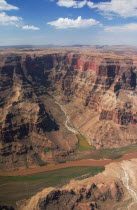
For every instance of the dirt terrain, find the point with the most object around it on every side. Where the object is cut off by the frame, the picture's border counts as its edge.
(88, 162)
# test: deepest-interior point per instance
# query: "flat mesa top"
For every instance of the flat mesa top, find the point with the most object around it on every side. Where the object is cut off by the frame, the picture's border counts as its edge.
(101, 51)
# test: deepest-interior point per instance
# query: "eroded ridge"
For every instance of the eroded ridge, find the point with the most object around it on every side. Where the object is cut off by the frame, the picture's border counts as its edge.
(100, 99)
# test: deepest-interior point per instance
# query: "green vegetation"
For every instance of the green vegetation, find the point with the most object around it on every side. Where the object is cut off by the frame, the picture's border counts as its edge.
(42, 164)
(83, 144)
(47, 150)
(23, 187)
(114, 153)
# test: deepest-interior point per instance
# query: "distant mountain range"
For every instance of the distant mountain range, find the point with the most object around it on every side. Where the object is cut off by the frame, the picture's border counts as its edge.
(52, 45)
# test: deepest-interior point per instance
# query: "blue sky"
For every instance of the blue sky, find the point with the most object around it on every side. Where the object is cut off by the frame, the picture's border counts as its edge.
(67, 22)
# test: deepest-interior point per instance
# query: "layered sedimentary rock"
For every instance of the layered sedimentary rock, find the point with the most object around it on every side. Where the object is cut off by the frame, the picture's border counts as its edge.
(99, 96)
(102, 96)
(115, 188)
(32, 130)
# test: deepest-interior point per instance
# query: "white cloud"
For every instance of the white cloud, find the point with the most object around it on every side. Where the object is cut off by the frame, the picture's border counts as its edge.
(5, 6)
(27, 27)
(90, 4)
(124, 8)
(72, 3)
(63, 23)
(6, 20)
(127, 27)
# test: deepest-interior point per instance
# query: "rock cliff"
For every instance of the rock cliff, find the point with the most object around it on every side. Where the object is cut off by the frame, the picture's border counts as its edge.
(98, 94)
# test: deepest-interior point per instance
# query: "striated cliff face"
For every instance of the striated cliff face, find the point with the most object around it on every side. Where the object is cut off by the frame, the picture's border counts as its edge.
(102, 98)
(32, 129)
(99, 95)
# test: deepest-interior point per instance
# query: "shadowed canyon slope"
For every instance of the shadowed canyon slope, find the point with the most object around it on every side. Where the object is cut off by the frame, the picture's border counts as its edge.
(98, 94)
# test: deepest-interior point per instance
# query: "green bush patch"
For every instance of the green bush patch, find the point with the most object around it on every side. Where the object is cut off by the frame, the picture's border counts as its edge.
(97, 154)
(47, 150)
(83, 144)
(42, 164)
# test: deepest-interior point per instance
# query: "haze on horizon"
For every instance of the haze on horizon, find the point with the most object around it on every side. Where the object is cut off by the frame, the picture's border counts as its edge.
(68, 22)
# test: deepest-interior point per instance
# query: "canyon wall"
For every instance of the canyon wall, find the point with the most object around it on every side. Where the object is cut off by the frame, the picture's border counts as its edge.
(99, 95)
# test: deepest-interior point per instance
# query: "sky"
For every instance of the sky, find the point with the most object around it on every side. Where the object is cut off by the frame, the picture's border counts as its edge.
(68, 22)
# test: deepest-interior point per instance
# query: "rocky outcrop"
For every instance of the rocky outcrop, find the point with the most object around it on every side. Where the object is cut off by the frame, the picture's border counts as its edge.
(79, 195)
(114, 188)
(99, 95)
(31, 124)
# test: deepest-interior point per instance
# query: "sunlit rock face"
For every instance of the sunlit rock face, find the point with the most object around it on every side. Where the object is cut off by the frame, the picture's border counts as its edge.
(115, 188)
(99, 96)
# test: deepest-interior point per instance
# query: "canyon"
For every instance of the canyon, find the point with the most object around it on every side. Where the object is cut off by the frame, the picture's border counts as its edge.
(96, 94)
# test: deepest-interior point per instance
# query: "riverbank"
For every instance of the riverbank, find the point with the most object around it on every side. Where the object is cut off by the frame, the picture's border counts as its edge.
(86, 162)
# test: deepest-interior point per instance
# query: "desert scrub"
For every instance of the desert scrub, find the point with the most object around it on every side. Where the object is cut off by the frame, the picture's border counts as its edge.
(83, 144)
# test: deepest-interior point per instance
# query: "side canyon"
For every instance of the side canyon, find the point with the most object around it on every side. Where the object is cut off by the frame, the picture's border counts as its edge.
(97, 93)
